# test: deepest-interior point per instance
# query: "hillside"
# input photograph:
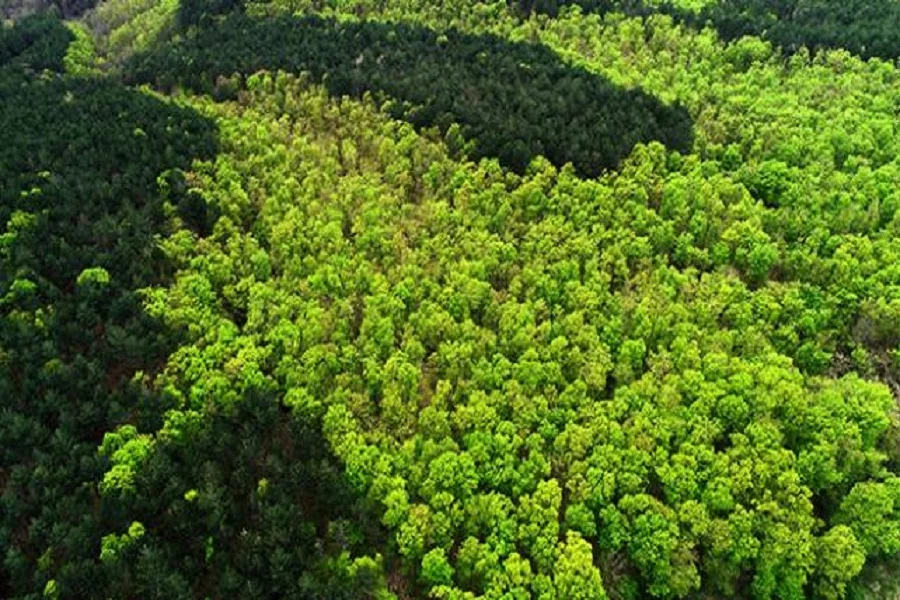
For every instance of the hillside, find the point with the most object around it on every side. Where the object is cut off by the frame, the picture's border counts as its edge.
(460, 299)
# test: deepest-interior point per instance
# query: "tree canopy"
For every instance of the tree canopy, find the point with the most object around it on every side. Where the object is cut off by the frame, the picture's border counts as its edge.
(470, 299)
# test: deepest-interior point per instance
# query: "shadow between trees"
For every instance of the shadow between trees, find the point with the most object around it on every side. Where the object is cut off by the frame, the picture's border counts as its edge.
(81, 160)
(865, 28)
(512, 100)
(36, 43)
(81, 211)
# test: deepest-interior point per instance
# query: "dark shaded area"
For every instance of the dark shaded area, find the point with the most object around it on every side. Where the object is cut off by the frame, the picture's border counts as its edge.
(36, 43)
(79, 160)
(270, 510)
(91, 173)
(865, 28)
(200, 12)
(513, 100)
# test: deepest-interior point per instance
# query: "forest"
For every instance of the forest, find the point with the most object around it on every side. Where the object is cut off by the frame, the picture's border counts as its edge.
(469, 299)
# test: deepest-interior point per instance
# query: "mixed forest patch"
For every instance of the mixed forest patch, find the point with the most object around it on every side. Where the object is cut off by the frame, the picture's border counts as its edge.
(865, 28)
(470, 299)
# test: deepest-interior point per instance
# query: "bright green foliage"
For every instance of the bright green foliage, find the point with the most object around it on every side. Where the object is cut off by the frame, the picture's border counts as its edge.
(95, 278)
(435, 568)
(862, 27)
(839, 558)
(871, 511)
(513, 90)
(78, 216)
(574, 574)
(114, 545)
(478, 416)
(449, 301)
(123, 27)
(81, 212)
(80, 59)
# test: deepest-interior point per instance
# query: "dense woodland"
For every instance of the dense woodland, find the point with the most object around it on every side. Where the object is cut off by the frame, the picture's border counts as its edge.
(464, 299)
